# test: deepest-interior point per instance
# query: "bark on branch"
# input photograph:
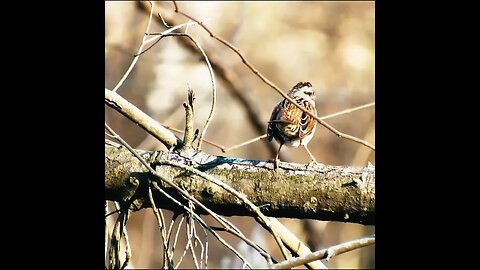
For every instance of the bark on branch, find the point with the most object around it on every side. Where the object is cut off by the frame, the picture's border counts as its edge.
(321, 192)
(133, 113)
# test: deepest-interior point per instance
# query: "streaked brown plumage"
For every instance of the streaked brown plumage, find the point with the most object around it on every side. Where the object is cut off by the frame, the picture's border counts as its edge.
(291, 126)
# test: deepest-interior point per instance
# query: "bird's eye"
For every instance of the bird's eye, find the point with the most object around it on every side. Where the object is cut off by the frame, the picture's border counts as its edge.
(308, 93)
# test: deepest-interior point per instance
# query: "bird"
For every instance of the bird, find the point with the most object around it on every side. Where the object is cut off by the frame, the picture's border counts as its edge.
(291, 126)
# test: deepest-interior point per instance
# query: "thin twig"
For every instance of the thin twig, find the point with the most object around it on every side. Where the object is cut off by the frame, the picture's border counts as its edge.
(212, 78)
(230, 224)
(186, 28)
(114, 251)
(348, 110)
(106, 228)
(190, 230)
(220, 239)
(272, 85)
(135, 59)
(186, 245)
(219, 146)
(128, 252)
(245, 143)
(164, 235)
(176, 234)
(163, 21)
(239, 195)
(158, 36)
(115, 241)
(197, 240)
(233, 230)
(169, 233)
(206, 247)
(244, 260)
(205, 226)
(192, 233)
(111, 213)
(214, 96)
(206, 253)
(294, 244)
(161, 224)
(326, 253)
(123, 231)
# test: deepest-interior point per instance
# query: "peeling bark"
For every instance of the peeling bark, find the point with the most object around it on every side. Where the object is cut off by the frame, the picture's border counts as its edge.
(322, 192)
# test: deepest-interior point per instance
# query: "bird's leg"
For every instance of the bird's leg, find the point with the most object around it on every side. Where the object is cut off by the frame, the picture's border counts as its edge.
(276, 160)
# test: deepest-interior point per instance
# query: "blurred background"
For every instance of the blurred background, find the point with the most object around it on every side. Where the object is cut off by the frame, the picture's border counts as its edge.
(330, 44)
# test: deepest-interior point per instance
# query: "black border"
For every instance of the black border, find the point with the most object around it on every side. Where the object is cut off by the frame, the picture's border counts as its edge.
(56, 120)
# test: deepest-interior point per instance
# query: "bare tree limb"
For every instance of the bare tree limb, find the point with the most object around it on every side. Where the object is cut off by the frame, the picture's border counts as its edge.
(124, 107)
(294, 190)
(137, 179)
(326, 253)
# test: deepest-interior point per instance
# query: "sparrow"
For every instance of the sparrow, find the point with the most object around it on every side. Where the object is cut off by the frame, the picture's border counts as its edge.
(291, 126)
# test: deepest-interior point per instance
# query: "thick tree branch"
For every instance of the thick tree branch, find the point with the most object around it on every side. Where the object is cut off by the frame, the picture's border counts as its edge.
(133, 113)
(294, 190)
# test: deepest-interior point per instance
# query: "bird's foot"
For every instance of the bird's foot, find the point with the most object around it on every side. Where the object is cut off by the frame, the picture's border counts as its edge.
(313, 163)
(276, 163)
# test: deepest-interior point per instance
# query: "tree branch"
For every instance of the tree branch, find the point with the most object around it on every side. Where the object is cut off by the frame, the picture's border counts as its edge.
(135, 59)
(294, 190)
(294, 244)
(124, 107)
(189, 113)
(326, 253)
(137, 180)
